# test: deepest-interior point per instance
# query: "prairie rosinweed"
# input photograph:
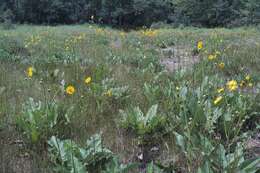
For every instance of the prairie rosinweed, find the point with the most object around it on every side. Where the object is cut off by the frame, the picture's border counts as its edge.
(221, 65)
(221, 90)
(200, 45)
(100, 31)
(109, 93)
(217, 53)
(242, 83)
(212, 57)
(30, 72)
(122, 34)
(232, 85)
(248, 77)
(70, 90)
(150, 33)
(88, 80)
(218, 100)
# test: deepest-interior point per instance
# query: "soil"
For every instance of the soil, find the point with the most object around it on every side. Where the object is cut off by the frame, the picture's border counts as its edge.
(178, 58)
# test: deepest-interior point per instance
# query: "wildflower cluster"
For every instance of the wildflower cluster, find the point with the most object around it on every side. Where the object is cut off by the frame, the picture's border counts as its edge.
(30, 71)
(33, 41)
(71, 42)
(150, 33)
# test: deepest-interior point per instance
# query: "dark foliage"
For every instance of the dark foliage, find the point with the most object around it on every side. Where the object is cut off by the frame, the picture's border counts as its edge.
(132, 13)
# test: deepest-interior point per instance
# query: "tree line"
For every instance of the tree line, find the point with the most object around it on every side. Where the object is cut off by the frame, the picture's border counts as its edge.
(132, 13)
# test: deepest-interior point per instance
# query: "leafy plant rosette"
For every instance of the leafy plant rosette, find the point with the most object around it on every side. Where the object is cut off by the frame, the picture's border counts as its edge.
(39, 121)
(143, 124)
(205, 155)
(196, 109)
(106, 91)
(67, 156)
(116, 167)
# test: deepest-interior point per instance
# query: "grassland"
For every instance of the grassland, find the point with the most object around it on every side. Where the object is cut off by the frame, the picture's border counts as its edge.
(61, 85)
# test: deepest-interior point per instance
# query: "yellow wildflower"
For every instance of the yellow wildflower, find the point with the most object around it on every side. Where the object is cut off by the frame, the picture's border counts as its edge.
(100, 31)
(109, 93)
(218, 100)
(220, 90)
(200, 45)
(88, 80)
(232, 85)
(242, 83)
(217, 53)
(211, 57)
(70, 90)
(122, 34)
(250, 84)
(248, 77)
(30, 72)
(221, 65)
(150, 33)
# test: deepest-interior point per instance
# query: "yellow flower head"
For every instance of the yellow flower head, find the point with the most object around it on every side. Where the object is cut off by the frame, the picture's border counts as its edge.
(200, 45)
(242, 83)
(70, 90)
(150, 33)
(122, 34)
(221, 90)
(232, 85)
(218, 100)
(250, 84)
(88, 80)
(30, 72)
(109, 93)
(248, 77)
(212, 57)
(217, 53)
(100, 31)
(221, 65)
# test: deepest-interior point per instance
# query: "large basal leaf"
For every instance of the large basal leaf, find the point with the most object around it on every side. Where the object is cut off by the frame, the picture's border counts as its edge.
(77, 166)
(180, 141)
(150, 114)
(250, 166)
(57, 148)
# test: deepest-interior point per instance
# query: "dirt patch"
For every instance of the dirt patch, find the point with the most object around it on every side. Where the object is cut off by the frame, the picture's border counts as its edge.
(253, 148)
(177, 58)
(13, 157)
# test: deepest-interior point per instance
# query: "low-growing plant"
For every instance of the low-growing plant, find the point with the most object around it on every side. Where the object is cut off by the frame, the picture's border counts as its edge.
(148, 128)
(67, 156)
(207, 156)
(152, 168)
(143, 124)
(38, 120)
(116, 167)
(105, 91)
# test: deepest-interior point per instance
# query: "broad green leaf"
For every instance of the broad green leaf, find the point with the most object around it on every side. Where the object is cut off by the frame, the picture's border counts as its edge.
(180, 141)
(151, 114)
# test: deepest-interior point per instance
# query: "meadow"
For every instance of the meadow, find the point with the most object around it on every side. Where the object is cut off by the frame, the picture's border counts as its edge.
(86, 98)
